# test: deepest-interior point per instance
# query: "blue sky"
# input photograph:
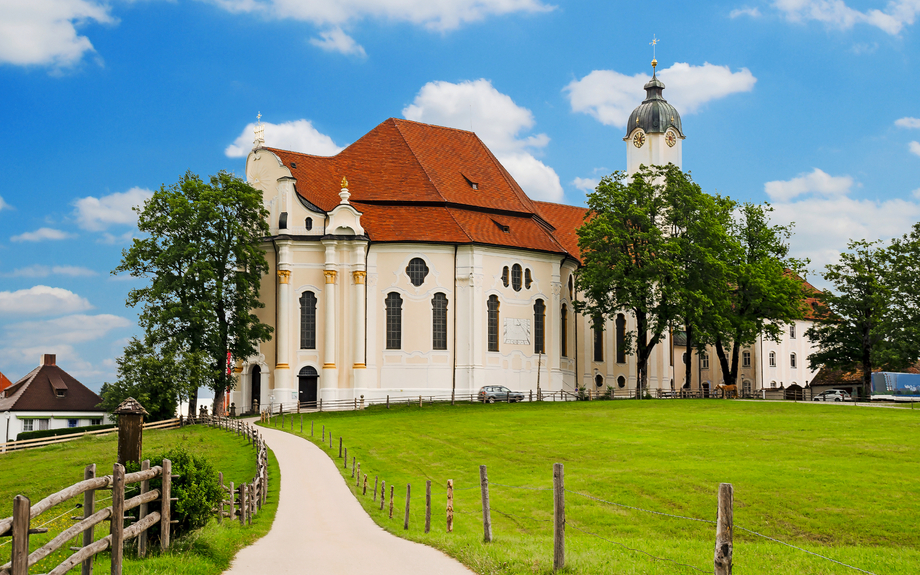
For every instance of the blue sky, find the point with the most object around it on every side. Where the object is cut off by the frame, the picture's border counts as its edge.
(810, 104)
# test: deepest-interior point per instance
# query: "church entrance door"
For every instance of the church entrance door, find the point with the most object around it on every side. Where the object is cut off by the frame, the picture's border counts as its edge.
(308, 382)
(256, 391)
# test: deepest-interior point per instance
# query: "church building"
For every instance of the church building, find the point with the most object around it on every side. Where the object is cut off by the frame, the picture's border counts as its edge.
(412, 263)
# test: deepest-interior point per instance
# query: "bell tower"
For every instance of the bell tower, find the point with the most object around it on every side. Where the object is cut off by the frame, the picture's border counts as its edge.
(653, 134)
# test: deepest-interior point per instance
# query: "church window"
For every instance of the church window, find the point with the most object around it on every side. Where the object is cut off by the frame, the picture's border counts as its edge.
(565, 331)
(439, 321)
(792, 360)
(505, 276)
(308, 320)
(772, 359)
(746, 359)
(417, 270)
(492, 307)
(394, 321)
(621, 382)
(599, 380)
(621, 338)
(704, 360)
(308, 223)
(539, 327)
(527, 278)
(516, 277)
(598, 339)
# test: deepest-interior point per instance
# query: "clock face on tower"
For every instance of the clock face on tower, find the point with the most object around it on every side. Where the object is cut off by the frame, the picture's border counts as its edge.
(638, 139)
(670, 138)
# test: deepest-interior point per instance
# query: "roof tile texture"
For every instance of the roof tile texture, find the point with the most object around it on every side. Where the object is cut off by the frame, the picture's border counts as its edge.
(36, 392)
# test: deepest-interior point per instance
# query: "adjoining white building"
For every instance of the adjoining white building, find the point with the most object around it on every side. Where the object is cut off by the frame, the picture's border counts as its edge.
(412, 263)
(48, 398)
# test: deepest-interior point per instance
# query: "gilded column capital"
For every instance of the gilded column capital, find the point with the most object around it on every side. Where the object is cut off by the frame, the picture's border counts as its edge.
(284, 276)
(330, 276)
(359, 276)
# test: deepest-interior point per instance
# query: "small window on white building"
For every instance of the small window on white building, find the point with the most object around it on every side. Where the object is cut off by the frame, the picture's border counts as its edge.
(704, 360)
(792, 331)
(43, 424)
(773, 384)
(27, 424)
(745, 359)
(95, 421)
(792, 360)
(773, 361)
(72, 422)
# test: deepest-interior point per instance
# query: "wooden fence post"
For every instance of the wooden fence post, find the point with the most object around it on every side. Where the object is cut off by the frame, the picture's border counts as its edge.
(142, 537)
(330, 439)
(486, 512)
(408, 493)
(450, 505)
(427, 506)
(375, 487)
(311, 428)
(388, 402)
(89, 507)
(352, 467)
(364, 492)
(559, 516)
(345, 460)
(340, 446)
(392, 490)
(166, 504)
(22, 509)
(724, 528)
(324, 433)
(383, 493)
(117, 527)
(232, 501)
(301, 423)
(220, 508)
(243, 505)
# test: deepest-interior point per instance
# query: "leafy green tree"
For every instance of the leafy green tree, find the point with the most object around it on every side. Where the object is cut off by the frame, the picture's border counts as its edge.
(762, 289)
(903, 349)
(202, 258)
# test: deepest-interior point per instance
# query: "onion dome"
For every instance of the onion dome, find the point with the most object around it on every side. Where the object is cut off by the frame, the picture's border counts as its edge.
(654, 115)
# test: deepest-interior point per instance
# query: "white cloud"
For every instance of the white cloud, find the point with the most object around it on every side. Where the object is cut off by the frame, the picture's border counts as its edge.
(4, 205)
(41, 271)
(908, 122)
(41, 300)
(335, 40)
(110, 239)
(441, 15)
(42, 234)
(97, 214)
(298, 136)
(752, 12)
(68, 330)
(610, 96)
(498, 121)
(914, 148)
(818, 182)
(44, 32)
(587, 185)
(835, 13)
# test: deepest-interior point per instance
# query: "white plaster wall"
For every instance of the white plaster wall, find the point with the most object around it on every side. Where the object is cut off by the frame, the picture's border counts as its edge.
(13, 421)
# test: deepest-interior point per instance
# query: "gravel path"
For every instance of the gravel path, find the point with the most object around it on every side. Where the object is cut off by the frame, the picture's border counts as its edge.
(321, 528)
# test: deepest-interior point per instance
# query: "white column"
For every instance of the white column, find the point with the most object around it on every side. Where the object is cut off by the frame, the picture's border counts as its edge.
(330, 375)
(283, 343)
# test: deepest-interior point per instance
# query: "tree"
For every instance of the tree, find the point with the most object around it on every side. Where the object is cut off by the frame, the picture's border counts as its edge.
(202, 257)
(762, 292)
(903, 336)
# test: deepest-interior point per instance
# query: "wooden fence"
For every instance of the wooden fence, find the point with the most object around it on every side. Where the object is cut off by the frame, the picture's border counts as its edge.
(43, 441)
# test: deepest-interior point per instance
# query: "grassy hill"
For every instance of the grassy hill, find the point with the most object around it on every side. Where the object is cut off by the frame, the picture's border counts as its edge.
(836, 480)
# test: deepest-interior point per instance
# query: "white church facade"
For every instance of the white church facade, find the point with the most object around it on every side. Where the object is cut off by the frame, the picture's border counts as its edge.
(412, 263)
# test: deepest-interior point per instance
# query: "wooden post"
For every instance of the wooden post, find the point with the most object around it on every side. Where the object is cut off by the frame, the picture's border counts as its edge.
(145, 487)
(301, 423)
(166, 504)
(450, 505)
(388, 401)
(352, 466)
(232, 501)
(408, 493)
(324, 433)
(375, 487)
(321, 404)
(340, 446)
(89, 507)
(356, 405)
(486, 512)
(383, 493)
(420, 401)
(243, 505)
(22, 508)
(330, 439)
(392, 490)
(724, 528)
(427, 506)
(311, 428)
(220, 508)
(345, 459)
(130, 430)
(358, 479)
(117, 527)
(559, 516)
(364, 491)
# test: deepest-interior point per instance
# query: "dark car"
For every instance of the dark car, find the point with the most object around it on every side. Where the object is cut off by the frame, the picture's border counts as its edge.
(493, 393)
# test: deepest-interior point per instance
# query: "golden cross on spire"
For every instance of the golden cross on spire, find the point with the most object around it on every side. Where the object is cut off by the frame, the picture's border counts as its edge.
(654, 43)
(259, 116)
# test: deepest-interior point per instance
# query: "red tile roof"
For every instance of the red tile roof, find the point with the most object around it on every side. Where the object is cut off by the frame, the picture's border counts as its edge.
(4, 382)
(418, 182)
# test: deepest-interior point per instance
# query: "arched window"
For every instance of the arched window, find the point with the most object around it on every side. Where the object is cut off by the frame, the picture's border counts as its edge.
(772, 359)
(417, 270)
(539, 328)
(792, 360)
(493, 322)
(394, 321)
(565, 331)
(527, 278)
(621, 338)
(704, 360)
(745, 359)
(599, 380)
(621, 382)
(308, 223)
(571, 289)
(439, 321)
(308, 320)
(598, 339)
(516, 277)
(505, 276)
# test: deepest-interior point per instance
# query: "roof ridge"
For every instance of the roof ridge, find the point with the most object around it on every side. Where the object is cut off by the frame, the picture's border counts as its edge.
(270, 149)
(432, 125)
(415, 157)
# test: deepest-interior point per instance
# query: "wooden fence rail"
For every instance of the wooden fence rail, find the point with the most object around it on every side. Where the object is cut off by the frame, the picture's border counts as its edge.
(43, 441)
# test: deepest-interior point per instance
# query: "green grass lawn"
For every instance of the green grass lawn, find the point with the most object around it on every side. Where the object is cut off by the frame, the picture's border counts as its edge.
(39, 472)
(838, 481)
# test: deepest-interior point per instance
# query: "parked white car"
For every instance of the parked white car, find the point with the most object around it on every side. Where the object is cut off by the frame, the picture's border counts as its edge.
(833, 395)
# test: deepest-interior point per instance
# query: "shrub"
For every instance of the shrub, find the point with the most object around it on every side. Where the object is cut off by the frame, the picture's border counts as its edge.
(63, 431)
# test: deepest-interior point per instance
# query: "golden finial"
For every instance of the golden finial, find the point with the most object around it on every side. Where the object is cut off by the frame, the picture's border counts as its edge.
(344, 182)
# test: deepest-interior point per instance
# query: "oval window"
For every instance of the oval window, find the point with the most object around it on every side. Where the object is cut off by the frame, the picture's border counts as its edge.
(417, 270)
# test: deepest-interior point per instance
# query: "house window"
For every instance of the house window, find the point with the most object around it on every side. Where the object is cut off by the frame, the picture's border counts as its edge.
(72, 422)
(308, 320)
(772, 359)
(539, 329)
(43, 424)
(565, 331)
(792, 331)
(97, 421)
(527, 278)
(439, 321)
(621, 338)
(394, 321)
(704, 360)
(417, 270)
(492, 306)
(308, 223)
(598, 339)
(505, 276)
(745, 359)
(27, 424)
(792, 360)
(516, 277)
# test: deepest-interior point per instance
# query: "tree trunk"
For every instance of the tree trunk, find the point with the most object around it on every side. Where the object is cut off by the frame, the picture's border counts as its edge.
(723, 361)
(193, 403)
(688, 360)
(866, 364)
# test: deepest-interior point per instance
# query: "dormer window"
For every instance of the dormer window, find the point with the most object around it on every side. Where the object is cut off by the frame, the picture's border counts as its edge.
(294, 164)
(61, 392)
(502, 227)
(472, 184)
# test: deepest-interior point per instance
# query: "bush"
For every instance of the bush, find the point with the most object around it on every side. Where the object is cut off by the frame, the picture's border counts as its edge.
(63, 431)
(196, 488)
